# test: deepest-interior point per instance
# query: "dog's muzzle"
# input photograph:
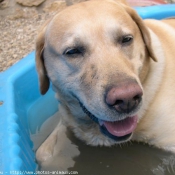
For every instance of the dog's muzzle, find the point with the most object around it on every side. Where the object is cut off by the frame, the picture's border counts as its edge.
(119, 131)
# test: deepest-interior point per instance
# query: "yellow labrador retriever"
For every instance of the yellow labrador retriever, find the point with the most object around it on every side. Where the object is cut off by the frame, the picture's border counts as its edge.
(113, 73)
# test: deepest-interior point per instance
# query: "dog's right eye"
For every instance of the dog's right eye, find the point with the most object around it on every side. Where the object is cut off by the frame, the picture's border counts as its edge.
(73, 51)
(127, 39)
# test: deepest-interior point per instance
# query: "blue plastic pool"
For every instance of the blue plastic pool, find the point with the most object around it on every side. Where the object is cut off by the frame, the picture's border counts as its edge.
(19, 93)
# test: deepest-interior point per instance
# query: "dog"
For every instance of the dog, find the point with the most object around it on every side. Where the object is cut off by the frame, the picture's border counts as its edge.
(113, 74)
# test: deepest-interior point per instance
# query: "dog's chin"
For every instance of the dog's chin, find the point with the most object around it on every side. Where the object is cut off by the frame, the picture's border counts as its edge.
(119, 131)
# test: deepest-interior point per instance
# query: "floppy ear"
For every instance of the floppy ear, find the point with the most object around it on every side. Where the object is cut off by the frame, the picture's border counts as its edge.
(42, 74)
(144, 31)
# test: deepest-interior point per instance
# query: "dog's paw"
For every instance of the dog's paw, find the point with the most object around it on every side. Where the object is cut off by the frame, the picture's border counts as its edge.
(43, 154)
(46, 150)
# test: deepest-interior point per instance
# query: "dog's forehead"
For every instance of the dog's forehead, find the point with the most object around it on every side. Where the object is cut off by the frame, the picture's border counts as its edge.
(87, 19)
(89, 15)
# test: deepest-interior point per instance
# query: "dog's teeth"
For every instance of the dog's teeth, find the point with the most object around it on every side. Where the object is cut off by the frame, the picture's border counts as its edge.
(100, 122)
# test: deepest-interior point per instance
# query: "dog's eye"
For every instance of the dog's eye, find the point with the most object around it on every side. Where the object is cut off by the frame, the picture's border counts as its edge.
(127, 39)
(73, 51)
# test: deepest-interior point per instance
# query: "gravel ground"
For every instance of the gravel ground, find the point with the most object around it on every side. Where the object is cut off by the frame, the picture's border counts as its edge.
(18, 38)
(19, 26)
(18, 33)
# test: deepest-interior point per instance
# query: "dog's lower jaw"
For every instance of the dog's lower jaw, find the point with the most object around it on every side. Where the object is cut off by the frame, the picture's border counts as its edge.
(87, 130)
(119, 131)
(91, 135)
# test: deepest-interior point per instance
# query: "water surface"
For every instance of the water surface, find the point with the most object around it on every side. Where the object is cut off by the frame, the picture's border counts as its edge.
(74, 155)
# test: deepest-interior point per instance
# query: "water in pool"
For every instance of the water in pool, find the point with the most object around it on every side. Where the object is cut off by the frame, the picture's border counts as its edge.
(73, 155)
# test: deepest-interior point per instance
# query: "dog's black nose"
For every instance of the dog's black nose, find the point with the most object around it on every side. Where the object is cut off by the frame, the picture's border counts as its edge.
(124, 97)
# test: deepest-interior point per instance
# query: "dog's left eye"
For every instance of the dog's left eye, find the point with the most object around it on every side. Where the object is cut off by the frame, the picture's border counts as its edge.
(73, 51)
(127, 39)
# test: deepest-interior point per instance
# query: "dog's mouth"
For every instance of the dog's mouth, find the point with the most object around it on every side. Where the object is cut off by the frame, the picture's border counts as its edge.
(118, 130)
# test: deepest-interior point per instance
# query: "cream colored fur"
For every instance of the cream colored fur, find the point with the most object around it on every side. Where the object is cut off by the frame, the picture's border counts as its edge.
(149, 61)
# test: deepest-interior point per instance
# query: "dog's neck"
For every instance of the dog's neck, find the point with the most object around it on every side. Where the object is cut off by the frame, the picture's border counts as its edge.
(153, 69)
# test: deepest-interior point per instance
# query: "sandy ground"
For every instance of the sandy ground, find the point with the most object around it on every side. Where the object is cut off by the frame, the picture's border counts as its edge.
(17, 39)
(18, 31)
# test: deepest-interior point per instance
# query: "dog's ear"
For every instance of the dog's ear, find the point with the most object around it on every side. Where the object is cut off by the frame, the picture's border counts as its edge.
(144, 31)
(42, 74)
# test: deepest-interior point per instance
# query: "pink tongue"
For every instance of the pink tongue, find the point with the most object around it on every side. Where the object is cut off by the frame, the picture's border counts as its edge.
(123, 127)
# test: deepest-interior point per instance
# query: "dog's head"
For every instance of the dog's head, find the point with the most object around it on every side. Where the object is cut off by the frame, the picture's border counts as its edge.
(96, 55)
